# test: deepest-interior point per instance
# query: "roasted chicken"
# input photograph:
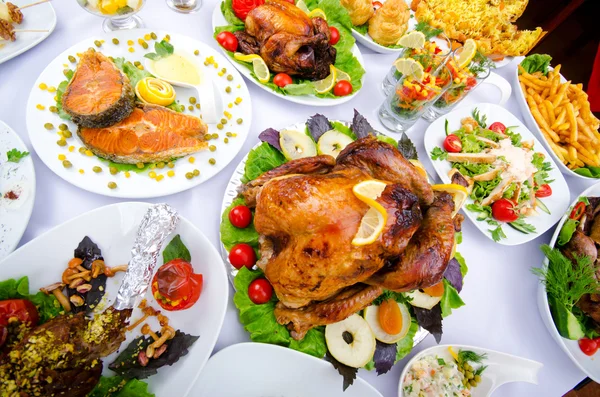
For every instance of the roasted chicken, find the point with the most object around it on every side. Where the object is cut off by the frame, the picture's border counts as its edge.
(288, 40)
(307, 216)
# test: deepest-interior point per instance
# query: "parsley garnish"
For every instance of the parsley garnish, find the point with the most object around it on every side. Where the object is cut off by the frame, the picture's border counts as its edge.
(438, 154)
(497, 233)
(14, 155)
(391, 295)
(441, 361)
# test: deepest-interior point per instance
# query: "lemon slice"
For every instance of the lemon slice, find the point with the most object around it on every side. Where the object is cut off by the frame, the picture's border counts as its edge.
(414, 39)
(261, 70)
(245, 58)
(341, 75)
(326, 85)
(409, 67)
(369, 191)
(370, 228)
(317, 13)
(465, 54)
(302, 5)
(420, 168)
(458, 192)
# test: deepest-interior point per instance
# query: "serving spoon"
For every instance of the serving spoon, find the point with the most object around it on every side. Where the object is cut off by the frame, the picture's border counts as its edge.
(205, 90)
(501, 368)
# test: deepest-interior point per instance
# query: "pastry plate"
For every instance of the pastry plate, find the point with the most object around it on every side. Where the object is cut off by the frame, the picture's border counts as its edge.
(140, 185)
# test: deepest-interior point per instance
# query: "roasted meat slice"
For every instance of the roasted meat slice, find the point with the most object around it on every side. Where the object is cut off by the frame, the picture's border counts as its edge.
(99, 94)
(150, 134)
(341, 306)
(581, 245)
(63, 356)
(590, 305)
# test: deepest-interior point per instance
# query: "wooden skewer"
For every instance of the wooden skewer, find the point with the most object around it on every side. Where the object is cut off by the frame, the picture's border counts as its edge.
(33, 4)
(31, 31)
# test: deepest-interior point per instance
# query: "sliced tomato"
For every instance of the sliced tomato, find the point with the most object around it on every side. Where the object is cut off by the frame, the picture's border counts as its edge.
(452, 144)
(578, 211)
(544, 191)
(175, 286)
(497, 127)
(21, 310)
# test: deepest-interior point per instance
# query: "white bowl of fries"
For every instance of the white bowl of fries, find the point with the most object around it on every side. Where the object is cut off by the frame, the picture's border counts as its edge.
(559, 113)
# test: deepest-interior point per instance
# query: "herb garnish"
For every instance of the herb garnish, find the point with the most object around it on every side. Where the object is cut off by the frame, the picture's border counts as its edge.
(163, 50)
(14, 155)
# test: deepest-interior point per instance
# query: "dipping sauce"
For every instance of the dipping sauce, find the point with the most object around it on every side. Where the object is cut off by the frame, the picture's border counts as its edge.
(433, 376)
(177, 68)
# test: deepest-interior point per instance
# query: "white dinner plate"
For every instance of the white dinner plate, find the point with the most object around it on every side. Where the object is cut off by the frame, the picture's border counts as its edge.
(263, 370)
(589, 365)
(113, 228)
(533, 125)
(219, 20)
(501, 368)
(140, 185)
(18, 178)
(557, 203)
(39, 17)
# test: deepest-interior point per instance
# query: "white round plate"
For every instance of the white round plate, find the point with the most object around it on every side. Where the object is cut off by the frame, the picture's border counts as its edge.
(557, 203)
(113, 228)
(589, 365)
(219, 20)
(501, 368)
(269, 370)
(139, 185)
(40, 17)
(533, 126)
(14, 214)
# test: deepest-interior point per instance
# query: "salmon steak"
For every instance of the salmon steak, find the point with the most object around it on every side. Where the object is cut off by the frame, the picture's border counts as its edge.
(150, 134)
(99, 94)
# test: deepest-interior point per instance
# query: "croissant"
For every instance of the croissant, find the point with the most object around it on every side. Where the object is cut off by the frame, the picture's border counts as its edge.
(360, 11)
(390, 22)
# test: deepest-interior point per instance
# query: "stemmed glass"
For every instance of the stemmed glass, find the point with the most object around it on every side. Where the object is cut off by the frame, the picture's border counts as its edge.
(118, 14)
(185, 6)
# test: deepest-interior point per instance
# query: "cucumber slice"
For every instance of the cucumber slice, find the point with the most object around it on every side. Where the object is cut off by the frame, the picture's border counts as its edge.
(542, 206)
(566, 323)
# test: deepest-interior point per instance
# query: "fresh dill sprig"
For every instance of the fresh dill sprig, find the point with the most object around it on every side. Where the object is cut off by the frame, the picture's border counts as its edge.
(480, 119)
(567, 281)
(465, 356)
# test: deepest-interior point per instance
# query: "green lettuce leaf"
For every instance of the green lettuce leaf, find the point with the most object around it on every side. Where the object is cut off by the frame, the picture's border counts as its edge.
(260, 160)
(463, 264)
(134, 74)
(229, 15)
(117, 386)
(405, 344)
(260, 322)
(362, 29)
(536, 63)
(589, 171)
(450, 299)
(60, 91)
(387, 139)
(231, 235)
(566, 232)
(343, 129)
(47, 305)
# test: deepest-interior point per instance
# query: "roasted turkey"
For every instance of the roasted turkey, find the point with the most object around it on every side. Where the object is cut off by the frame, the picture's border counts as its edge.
(307, 216)
(288, 40)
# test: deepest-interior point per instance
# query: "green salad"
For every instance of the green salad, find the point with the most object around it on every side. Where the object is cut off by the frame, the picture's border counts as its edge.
(259, 318)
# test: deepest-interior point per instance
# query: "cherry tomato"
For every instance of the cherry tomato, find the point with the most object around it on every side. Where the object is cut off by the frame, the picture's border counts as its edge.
(377, 5)
(504, 211)
(228, 41)
(242, 255)
(240, 216)
(21, 309)
(282, 79)
(452, 144)
(175, 286)
(588, 346)
(260, 291)
(544, 191)
(241, 8)
(342, 88)
(335, 35)
(497, 127)
(578, 211)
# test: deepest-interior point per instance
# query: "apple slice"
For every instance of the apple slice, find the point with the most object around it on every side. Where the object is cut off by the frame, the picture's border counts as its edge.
(296, 145)
(351, 341)
(422, 300)
(333, 142)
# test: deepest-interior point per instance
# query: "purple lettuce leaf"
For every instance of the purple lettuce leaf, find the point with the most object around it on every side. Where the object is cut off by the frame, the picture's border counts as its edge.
(453, 274)
(384, 357)
(271, 136)
(360, 126)
(348, 373)
(318, 125)
(431, 320)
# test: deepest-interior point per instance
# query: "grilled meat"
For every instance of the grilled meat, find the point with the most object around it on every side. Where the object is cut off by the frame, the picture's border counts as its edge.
(150, 134)
(99, 94)
(581, 245)
(63, 356)
(288, 40)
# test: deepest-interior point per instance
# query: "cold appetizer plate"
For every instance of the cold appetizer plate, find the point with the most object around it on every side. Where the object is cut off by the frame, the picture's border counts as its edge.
(141, 136)
(513, 189)
(316, 72)
(568, 294)
(558, 111)
(17, 189)
(259, 377)
(79, 267)
(32, 26)
(461, 370)
(312, 148)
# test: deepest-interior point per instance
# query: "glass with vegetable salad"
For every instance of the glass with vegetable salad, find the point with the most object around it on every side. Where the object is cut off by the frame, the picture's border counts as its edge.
(464, 81)
(441, 50)
(411, 97)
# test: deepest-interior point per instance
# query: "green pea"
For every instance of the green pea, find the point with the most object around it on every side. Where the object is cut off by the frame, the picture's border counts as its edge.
(196, 52)
(192, 100)
(82, 150)
(113, 170)
(212, 148)
(97, 169)
(72, 59)
(115, 41)
(189, 175)
(212, 161)
(137, 63)
(140, 165)
(226, 140)
(53, 109)
(469, 375)
(224, 70)
(223, 121)
(215, 136)
(191, 108)
(229, 134)
(98, 43)
(197, 106)
(63, 127)
(153, 35)
(145, 45)
(468, 367)
(229, 77)
(196, 172)
(477, 378)
(472, 383)
(67, 164)
(112, 185)
(228, 89)
(61, 142)
(170, 164)
(67, 134)
(49, 126)
(239, 121)
(220, 126)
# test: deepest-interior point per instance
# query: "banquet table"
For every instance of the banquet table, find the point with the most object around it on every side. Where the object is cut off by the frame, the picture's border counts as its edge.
(501, 311)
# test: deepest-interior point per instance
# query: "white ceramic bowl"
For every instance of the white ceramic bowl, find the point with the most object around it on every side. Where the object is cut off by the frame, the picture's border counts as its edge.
(589, 365)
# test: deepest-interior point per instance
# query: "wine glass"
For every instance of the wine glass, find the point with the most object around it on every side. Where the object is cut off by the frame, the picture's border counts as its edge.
(185, 6)
(118, 14)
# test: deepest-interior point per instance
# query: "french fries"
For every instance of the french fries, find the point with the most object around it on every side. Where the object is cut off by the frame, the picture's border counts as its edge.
(562, 111)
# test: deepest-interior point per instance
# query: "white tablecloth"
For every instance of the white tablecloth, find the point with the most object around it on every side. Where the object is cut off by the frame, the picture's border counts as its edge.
(500, 292)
